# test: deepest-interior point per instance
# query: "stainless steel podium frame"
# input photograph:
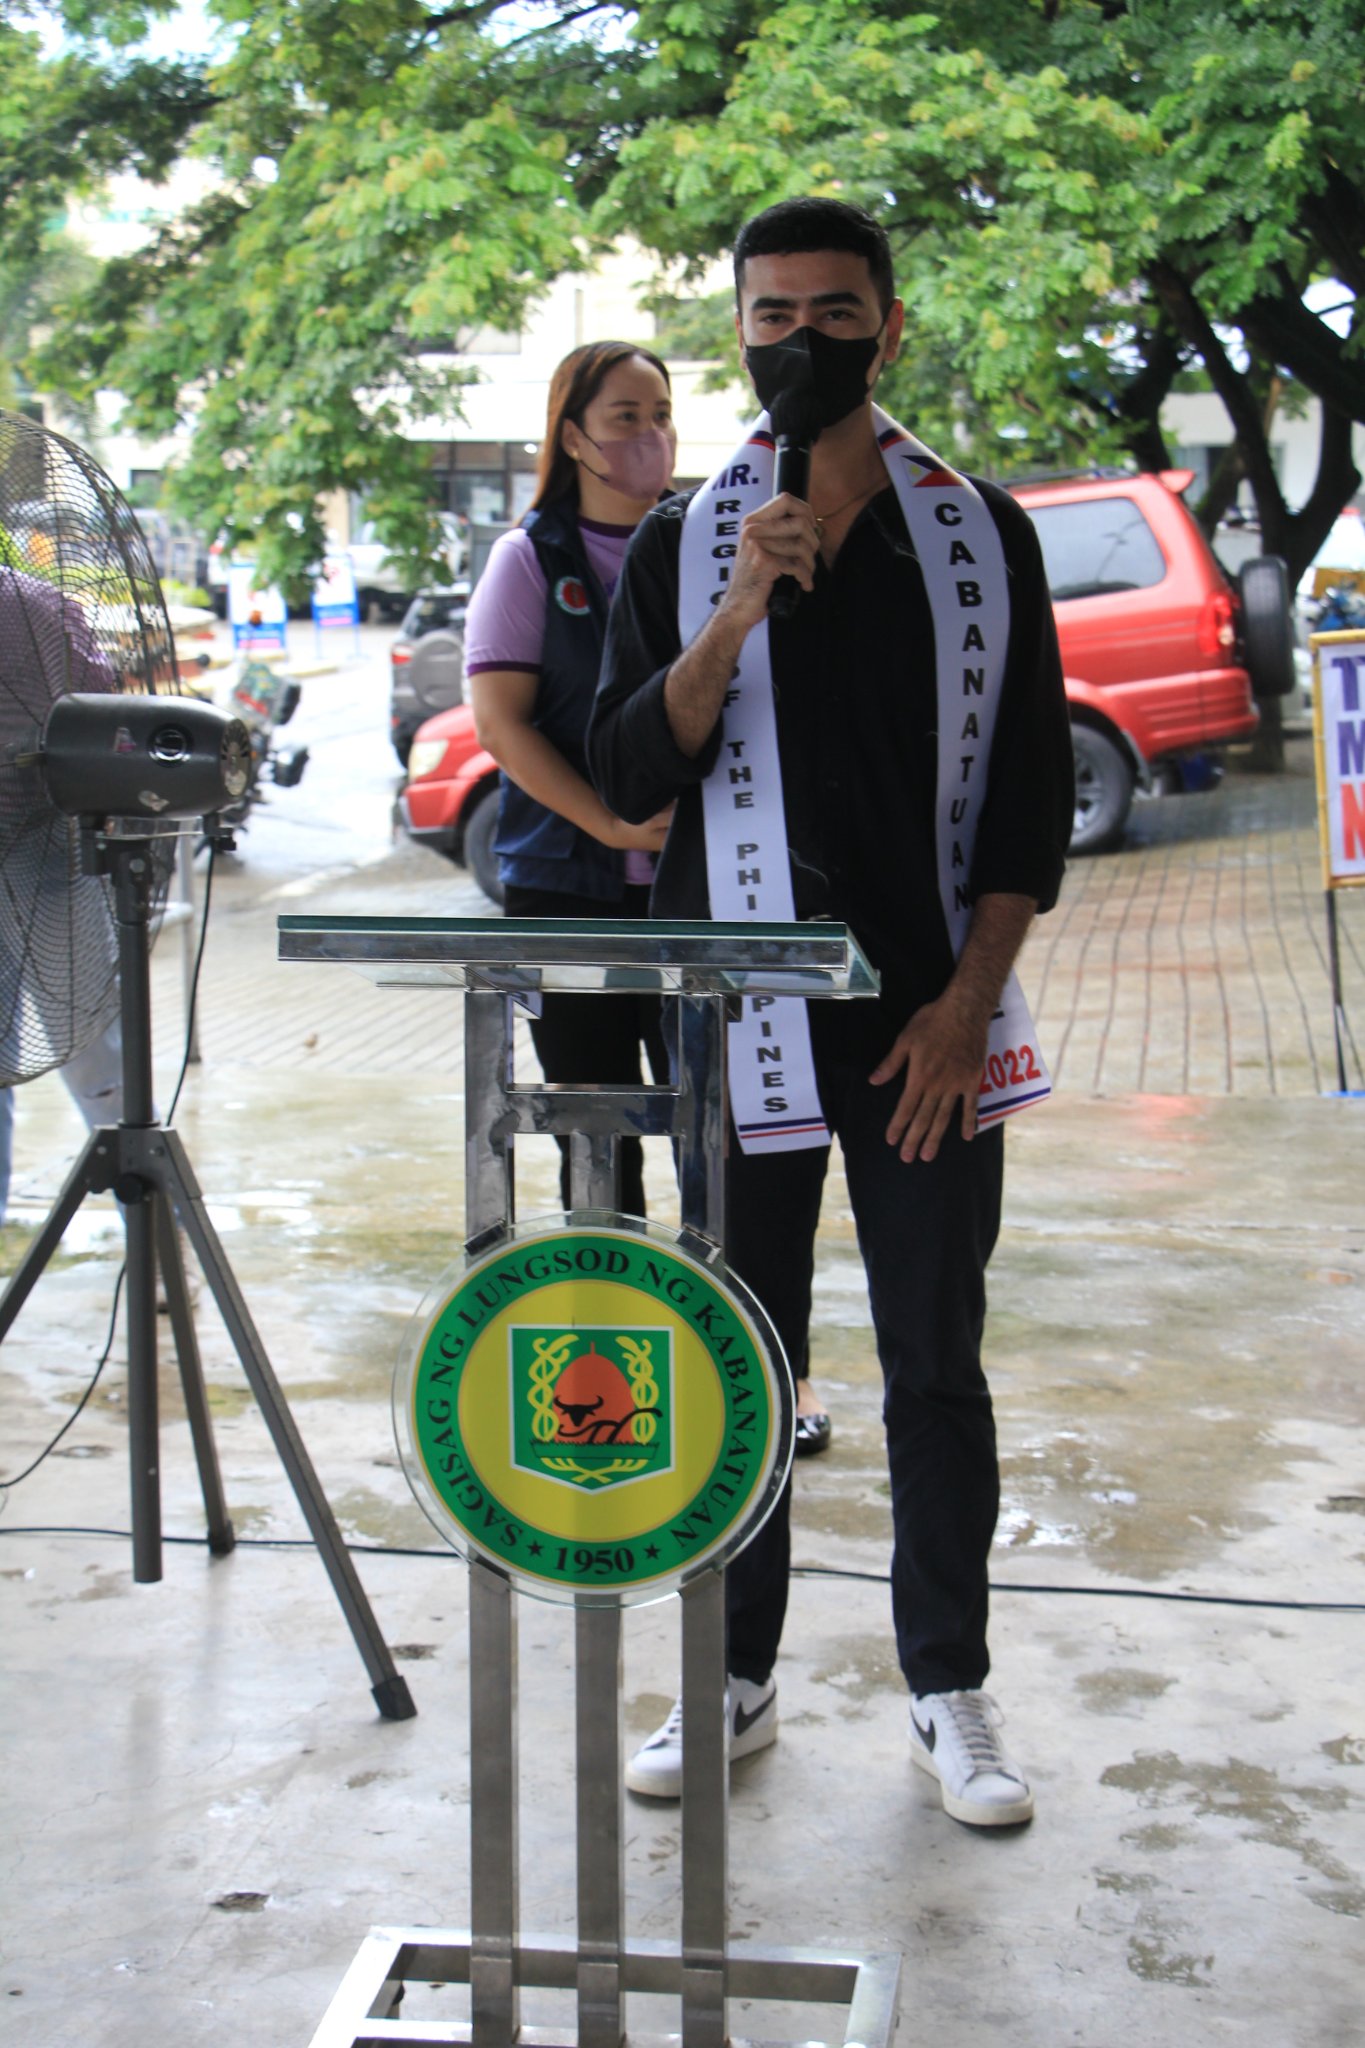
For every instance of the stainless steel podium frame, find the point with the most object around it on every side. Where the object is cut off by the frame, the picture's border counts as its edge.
(495, 962)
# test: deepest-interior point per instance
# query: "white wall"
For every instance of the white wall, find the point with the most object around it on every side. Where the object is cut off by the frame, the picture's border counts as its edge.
(509, 402)
(1197, 419)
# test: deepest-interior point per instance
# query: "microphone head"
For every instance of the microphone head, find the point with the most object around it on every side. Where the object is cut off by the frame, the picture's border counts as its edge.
(792, 416)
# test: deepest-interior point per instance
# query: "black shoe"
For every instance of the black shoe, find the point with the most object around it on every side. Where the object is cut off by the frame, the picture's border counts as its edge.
(813, 1435)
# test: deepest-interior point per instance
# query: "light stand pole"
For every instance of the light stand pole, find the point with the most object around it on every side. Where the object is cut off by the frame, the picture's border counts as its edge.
(147, 1168)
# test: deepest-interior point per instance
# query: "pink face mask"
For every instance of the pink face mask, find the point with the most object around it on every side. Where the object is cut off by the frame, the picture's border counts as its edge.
(640, 467)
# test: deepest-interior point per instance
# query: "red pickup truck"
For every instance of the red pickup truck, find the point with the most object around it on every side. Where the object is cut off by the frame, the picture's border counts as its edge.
(1164, 658)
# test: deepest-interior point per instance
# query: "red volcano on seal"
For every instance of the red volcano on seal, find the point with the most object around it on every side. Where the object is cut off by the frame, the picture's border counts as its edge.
(593, 1402)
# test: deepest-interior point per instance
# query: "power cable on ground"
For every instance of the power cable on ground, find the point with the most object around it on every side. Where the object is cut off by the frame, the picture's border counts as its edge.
(798, 1571)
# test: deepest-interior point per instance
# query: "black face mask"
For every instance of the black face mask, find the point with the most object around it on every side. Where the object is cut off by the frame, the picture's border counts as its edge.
(808, 381)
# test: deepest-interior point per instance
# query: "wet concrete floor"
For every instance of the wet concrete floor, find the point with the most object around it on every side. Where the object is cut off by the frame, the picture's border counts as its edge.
(205, 1816)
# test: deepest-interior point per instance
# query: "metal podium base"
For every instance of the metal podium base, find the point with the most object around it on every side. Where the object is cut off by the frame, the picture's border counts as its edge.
(705, 967)
(364, 2013)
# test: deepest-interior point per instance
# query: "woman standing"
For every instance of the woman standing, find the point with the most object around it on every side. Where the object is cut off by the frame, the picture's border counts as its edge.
(533, 647)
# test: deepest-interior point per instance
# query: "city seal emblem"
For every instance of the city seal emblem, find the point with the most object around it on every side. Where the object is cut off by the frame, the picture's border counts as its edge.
(597, 1412)
(579, 1416)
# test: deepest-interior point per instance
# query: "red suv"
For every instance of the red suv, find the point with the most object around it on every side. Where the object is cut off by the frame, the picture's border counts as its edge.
(1163, 656)
(450, 799)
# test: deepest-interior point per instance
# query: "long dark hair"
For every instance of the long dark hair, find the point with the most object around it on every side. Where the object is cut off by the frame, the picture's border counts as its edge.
(573, 388)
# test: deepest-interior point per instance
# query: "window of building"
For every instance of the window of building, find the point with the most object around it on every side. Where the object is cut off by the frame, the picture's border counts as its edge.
(488, 483)
(484, 341)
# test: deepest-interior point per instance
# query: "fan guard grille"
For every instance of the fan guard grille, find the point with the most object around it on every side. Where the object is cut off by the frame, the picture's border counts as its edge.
(80, 609)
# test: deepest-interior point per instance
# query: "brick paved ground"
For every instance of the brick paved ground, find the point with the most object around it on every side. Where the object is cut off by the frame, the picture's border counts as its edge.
(1192, 961)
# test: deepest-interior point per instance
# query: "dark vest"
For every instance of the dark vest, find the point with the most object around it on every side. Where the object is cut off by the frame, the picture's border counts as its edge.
(536, 848)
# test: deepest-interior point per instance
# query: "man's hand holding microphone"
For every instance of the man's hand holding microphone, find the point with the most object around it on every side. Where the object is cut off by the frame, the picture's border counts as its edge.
(774, 563)
(778, 543)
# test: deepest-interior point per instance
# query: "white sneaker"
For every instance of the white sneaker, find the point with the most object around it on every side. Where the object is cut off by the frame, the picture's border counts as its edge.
(953, 1736)
(655, 1770)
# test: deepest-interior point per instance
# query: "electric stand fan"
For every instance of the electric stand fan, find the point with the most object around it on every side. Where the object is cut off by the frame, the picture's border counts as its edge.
(102, 764)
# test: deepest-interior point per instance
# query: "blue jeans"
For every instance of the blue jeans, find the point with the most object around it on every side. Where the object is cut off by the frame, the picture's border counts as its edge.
(925, 1233)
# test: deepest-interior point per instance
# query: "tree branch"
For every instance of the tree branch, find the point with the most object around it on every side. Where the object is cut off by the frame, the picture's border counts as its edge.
(1235, 390)
(1336, 480)
(1284, 330)
(1221, 491)
(546, 28)
(477, 12)
(1337, 218)
(1142, 397)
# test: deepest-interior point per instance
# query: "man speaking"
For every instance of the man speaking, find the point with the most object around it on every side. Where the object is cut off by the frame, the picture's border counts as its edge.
(855, 699)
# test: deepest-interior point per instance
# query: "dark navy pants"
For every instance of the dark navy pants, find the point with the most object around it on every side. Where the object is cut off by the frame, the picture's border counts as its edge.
(926, 1233)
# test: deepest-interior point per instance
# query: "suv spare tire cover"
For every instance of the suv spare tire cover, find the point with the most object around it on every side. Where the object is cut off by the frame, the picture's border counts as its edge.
(435, 675)
(1267, 626)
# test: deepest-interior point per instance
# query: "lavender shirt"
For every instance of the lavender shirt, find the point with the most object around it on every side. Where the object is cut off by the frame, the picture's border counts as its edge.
(505, 627)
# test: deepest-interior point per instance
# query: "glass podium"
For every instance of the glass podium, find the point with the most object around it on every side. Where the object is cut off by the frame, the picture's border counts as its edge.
(493, 960)
(709, 970)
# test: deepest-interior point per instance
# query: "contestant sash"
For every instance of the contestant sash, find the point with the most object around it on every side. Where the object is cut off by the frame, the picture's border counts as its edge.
(773, 1091)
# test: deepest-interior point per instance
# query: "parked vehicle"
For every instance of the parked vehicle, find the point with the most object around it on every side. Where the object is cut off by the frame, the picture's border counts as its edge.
(1340, 609)
(450, 799)
(380, 580)
(426, 662)
(1164, 657)
(265, 701)
(1342, 551)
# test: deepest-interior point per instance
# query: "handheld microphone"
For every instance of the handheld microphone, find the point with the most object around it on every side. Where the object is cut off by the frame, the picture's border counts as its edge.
(794, 431)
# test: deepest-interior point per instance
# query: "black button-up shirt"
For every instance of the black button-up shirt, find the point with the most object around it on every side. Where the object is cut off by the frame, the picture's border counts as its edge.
(856, 693)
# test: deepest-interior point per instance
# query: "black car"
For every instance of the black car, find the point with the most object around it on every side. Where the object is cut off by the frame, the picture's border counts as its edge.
(427, 662)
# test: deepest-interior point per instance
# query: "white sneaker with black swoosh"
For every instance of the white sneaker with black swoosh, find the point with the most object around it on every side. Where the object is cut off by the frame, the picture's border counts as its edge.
(655, 1770)
(954, 1736)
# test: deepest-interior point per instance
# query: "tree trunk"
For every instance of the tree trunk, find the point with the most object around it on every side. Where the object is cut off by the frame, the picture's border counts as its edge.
(1223, 486)
(1139, 403)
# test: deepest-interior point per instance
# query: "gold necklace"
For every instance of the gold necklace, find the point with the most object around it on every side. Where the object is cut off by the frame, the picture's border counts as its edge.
(822, 517)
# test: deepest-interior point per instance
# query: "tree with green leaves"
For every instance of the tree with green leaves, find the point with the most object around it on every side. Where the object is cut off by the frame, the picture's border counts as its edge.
(1089, 201)
(387, 179)
(31, 286)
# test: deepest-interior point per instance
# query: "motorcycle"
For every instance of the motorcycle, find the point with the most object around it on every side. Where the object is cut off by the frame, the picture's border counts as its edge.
(264, 701)
(1340, 609)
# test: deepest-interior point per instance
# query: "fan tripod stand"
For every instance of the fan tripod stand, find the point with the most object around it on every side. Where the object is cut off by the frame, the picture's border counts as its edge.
(147, 1168)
